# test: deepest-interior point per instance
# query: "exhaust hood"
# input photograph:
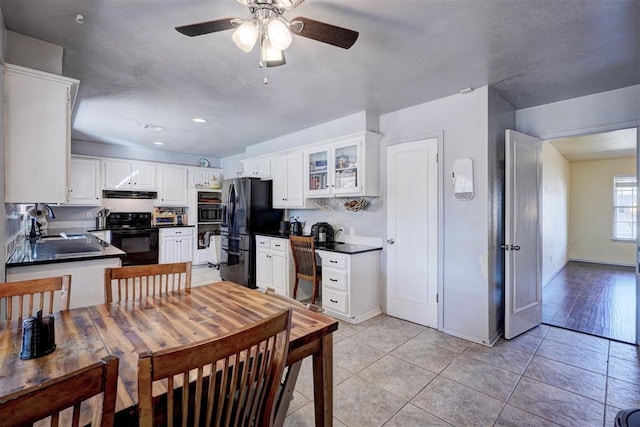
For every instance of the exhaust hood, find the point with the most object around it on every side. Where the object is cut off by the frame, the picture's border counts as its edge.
(125, 194)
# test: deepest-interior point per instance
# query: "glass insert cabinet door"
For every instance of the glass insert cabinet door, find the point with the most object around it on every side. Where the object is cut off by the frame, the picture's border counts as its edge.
(346, 168)
(319, 175)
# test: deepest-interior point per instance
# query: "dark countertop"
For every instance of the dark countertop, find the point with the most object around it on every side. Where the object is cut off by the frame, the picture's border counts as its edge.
(348, 248)
(91, 230)
(339, 247)
(53, 248)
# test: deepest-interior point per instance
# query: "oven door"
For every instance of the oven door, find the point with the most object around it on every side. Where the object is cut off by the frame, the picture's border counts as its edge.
(141, 246)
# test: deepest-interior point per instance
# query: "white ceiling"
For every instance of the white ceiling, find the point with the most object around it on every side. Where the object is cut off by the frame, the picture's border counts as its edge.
(598, 146)
(135, 69)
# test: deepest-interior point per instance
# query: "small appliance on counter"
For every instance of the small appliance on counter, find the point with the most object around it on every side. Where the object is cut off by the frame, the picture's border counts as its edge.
(284, 228)
(296, 227)
(322, 233)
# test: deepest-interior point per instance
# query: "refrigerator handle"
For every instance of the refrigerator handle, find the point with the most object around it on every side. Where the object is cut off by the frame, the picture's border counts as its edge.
(231, 201)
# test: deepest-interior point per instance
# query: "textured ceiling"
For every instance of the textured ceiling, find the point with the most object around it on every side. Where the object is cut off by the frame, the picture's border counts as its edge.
(598, 146)
(134, 68)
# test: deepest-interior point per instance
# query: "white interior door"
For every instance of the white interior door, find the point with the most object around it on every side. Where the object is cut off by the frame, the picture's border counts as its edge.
(412, 231)
(523, 278)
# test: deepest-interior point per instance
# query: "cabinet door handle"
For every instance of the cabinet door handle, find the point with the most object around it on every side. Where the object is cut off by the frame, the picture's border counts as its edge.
(333, 280)
(277, 246)
(334, 301)
(333, 261)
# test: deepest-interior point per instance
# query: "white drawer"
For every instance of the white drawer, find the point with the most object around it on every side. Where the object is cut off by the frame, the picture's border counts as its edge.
(263, 242)
(176, 232)
(333, 260)
(336, 279)
(334, 300)
(279, 244)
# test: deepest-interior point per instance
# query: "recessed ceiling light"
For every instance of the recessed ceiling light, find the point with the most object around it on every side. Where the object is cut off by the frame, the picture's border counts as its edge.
(199, 120)
(154, 128)
(158, 142)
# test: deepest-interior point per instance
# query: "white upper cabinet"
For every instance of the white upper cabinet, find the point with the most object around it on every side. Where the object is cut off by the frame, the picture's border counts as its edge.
(287, 177)
(345, 167)
(84, 182)
(204, 178)
(37, 135)
(172, 186)
(124, 175)
(259, 167)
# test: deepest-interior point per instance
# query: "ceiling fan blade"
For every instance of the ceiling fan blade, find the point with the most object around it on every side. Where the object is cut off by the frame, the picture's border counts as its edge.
(326, 33)
(207, 27)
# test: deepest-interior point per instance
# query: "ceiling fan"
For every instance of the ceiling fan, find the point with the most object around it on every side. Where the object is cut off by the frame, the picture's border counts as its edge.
(267, 25)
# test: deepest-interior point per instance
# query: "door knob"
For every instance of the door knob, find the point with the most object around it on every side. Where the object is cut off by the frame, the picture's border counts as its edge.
(515, 248)
(390, 241)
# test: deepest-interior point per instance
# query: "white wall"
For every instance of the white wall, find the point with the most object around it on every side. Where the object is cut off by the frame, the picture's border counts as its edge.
(615, 109)
(33, 53)
(591, 212)
(464, 121)
(555, 211)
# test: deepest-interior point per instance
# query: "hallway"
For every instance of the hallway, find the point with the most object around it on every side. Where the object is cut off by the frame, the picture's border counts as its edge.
(596, 299)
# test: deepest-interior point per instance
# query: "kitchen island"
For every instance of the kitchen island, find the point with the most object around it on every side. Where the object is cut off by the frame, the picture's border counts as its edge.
(79, 254)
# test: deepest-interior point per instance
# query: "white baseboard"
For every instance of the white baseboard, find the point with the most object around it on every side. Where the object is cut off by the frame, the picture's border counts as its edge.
(555, 273)
(620, 264)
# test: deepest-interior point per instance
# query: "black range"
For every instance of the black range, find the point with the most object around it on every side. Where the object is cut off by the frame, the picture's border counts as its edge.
(132, 232)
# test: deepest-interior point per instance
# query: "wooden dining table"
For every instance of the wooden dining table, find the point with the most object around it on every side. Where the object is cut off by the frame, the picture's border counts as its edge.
(128, 328)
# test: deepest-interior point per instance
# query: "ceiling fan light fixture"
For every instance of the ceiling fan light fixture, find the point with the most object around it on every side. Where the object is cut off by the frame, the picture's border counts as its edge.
(270, 56)
(279, 34)
(245, 35)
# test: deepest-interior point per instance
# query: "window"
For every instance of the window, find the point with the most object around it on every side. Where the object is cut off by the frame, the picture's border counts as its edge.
(625, 188)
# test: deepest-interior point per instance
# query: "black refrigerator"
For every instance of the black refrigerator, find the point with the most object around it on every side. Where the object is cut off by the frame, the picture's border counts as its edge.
(247, 210)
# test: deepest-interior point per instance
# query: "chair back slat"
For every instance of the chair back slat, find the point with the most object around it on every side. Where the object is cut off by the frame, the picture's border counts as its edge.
(233, 380)
(29, 296)
(304, 258)
(52, 398)
(140, 281)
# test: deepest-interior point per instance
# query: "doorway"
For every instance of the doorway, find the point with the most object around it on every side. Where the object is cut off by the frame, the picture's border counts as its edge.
(589, 197)
(412, 231)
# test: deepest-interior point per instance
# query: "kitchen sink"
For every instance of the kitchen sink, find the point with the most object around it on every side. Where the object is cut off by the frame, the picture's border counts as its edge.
(63, 236)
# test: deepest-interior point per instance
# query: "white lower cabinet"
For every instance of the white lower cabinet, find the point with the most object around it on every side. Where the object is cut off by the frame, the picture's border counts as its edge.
(176, 245)
(274, 264)
(351, 285)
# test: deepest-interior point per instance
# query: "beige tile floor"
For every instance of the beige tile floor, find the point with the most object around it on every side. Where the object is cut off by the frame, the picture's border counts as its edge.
(389, 372)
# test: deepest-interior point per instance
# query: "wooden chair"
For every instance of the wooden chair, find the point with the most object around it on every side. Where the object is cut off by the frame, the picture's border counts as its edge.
(140, 281)
(304, 258)
(288, 382)
(36, 291)
(236, 378)
(51, 398)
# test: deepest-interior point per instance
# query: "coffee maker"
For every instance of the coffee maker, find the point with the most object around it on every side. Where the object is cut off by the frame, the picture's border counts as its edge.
(322, 233)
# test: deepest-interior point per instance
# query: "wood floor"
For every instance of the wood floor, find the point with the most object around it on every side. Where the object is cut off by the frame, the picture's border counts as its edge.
(593, 298)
